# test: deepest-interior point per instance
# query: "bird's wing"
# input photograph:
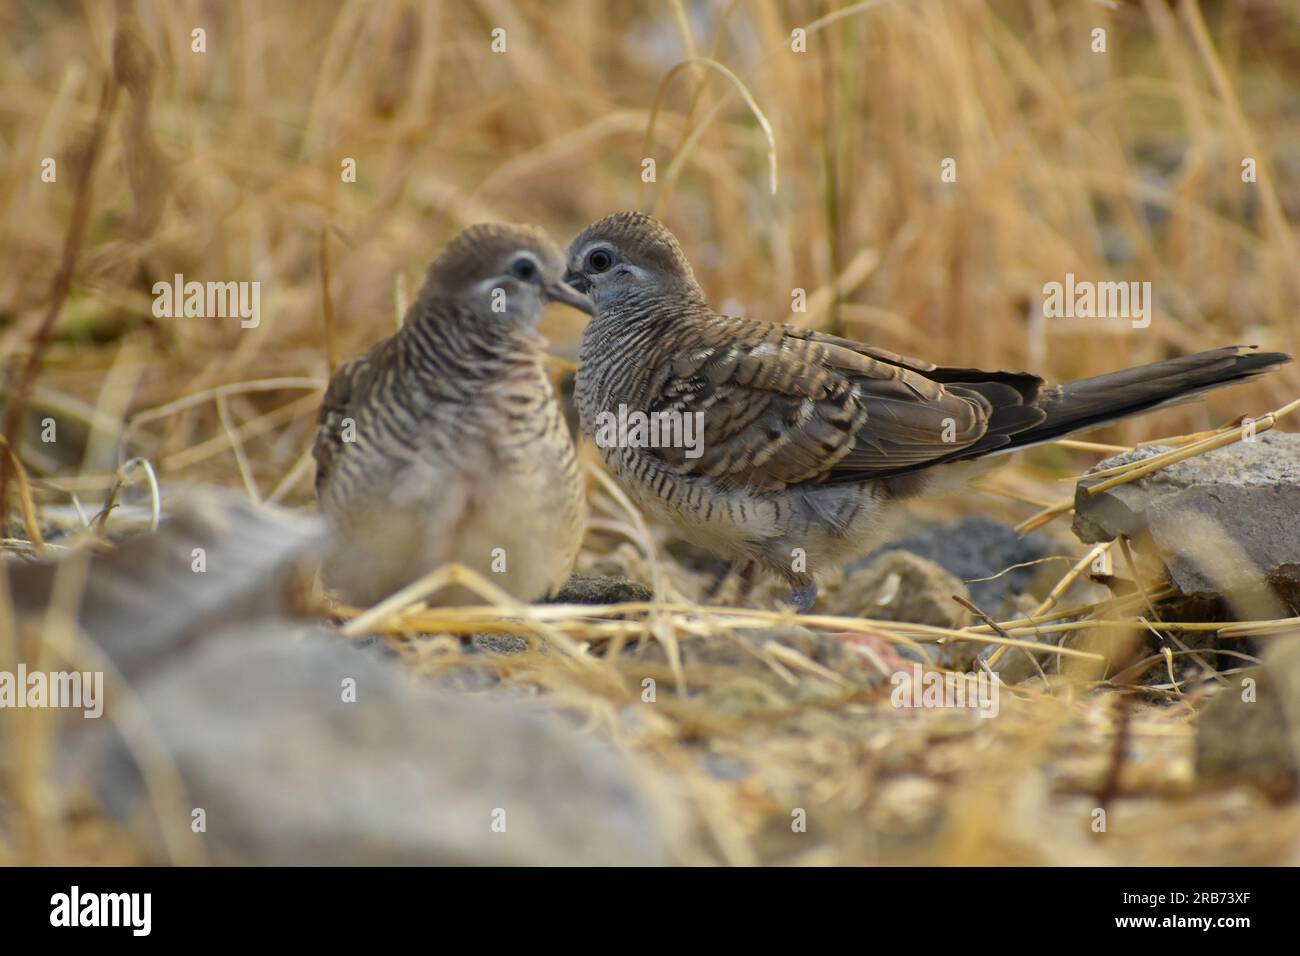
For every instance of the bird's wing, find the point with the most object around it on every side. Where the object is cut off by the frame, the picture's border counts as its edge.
(348, 385)
(783, 406)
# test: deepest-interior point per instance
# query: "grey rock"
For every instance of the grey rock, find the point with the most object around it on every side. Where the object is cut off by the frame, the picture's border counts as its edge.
(955, 655)
(246, 711)
(288, 772)
(1256, 740)
(725, 767)
(900, 586)
(1223, 521)
(466, 680)
(828, 650)
(1016, 665)
(144, 601)
(1238, 741)
(979, 548)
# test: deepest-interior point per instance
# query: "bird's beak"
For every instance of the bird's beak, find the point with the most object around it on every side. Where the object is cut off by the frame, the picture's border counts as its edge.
(577, 280)
(570, 296)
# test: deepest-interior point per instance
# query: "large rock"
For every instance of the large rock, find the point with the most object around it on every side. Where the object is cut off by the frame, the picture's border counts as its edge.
(289, 770)
(977, 550)
(899, 586)
(1223, 522)
(1251, 732)
(300, 748)
(215, 559)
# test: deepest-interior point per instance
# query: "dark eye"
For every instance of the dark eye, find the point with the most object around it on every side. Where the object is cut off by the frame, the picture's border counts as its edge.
(599, 261)
(523, 268)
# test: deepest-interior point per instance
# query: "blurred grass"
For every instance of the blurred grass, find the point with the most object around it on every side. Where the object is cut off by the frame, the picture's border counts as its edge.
(225, 165)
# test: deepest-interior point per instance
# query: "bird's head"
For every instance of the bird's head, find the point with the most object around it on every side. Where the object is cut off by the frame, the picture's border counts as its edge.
(505, 270)
(626, 256)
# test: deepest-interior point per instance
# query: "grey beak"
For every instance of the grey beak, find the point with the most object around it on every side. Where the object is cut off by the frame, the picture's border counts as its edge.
(578, 281)
(566, 293)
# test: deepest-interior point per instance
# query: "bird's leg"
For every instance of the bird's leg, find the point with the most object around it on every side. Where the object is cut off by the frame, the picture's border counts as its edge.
(748, 572)
(744, 569)
(714, 587)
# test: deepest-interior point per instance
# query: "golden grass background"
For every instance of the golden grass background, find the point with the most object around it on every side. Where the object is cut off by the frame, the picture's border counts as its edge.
(225, 165)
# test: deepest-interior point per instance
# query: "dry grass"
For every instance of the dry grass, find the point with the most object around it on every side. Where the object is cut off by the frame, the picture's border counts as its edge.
(225, 165)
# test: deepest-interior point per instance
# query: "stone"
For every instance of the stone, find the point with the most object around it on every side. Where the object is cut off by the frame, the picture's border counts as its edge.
(741, 654)
(1015, 666)
(977, 550)
(1256, 737)
(301, 748)
(601, 589)
(492, 642)
(899, 586)
(215, 559)
(288, 771)
(1225, 522)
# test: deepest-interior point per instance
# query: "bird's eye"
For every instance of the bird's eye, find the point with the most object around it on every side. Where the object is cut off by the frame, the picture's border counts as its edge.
(523, 268)
(599, 261)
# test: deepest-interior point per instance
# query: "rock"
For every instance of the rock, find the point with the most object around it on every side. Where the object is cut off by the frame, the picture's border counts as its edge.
(899, 586)
(1256, 737)
(498, 643)
(601, 589)
(288, 772)
(1225, 522)
(1238, 741)
(725, 767)
(252, 716)
(1014, 666)
(978, 548)
(741, 654)
(215, 560)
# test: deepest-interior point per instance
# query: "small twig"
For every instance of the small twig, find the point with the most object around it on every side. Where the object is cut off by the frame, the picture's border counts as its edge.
(1137, 577)
(1229, 435)
(61, 285)
(326, 303)
(295, 474)
(1047, 515)
(979, 613)
(208, 394)
(1076, 445)
(1285, 625)
(1110, 785)
(1059, 590)
(1109, 605)
(1010, 495)
(26, 504)
(241, 459)
(100, 521)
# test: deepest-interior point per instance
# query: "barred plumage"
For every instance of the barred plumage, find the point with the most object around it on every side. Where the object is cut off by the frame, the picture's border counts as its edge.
(445, 442)
(809, 439)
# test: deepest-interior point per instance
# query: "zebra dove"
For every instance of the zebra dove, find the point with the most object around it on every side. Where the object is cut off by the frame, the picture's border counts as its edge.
(445, 442)
(804, 442)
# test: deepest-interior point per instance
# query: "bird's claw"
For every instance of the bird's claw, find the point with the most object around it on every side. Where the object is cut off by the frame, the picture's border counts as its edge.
(803, 598)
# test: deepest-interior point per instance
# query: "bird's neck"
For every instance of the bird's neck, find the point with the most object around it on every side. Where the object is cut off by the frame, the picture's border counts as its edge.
(448, 341)
(623, 346)
(638, 310)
